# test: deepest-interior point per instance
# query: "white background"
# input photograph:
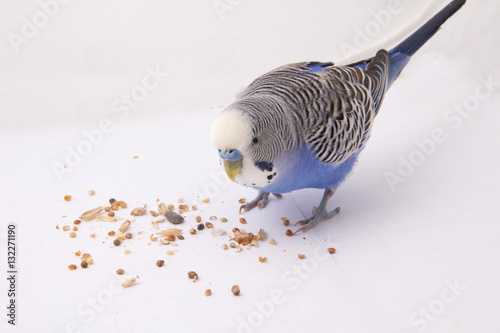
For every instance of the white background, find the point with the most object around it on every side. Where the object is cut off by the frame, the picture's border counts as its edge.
(399, 247)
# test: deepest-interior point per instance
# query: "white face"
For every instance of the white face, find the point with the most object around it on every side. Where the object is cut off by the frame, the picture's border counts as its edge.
(232, 130)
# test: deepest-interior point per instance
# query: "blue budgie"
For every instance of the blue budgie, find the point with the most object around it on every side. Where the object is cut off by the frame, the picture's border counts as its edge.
(303, 125)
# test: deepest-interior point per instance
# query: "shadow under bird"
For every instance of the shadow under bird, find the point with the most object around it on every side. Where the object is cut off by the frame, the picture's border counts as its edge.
(303, 125)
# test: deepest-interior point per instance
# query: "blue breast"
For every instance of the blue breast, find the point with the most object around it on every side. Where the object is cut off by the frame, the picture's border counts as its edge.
(300, 169)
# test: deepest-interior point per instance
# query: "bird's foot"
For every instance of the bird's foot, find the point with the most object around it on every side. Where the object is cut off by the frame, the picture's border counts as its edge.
(319, 213)
(260, 201)
(315, 219)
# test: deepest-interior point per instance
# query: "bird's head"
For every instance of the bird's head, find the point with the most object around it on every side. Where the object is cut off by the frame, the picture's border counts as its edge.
(231, 135)
(249, 137)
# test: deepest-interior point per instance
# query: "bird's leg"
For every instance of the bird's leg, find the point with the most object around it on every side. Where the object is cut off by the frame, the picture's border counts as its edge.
(260, 201)
(320, 214)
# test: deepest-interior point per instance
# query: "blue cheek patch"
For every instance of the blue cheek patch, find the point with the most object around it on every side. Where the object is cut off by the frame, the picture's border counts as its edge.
(230, 154)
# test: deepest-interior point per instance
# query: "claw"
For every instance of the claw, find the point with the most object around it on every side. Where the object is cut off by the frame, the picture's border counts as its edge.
(319, 214)
(260, 201)
(278, 195)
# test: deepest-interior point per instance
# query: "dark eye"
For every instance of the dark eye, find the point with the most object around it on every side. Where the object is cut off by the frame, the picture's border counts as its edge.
(231, 151)
(255, 141)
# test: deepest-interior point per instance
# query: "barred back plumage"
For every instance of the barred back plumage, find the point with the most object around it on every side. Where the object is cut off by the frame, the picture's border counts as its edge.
(331, 110)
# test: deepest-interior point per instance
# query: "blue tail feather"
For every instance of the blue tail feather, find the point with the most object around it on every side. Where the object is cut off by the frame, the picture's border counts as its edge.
(400, 55)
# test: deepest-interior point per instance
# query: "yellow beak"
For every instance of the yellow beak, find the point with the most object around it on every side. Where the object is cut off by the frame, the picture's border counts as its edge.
(232, 168)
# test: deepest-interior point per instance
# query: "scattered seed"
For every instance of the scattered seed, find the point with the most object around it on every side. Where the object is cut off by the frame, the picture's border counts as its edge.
(160, 263)
(213, 218)
(208, 292)
(286, 221)
(67, 197)
(167, 232)
(184, 207)
(198, 218)
(139, 211)
(174, 217)
(57, 227)
(75, 228)
(180, 237)
(242, 200)
(302, 256)
(152, 238)
(85, 256)
(123, 205)
(331, 250)
(117, 242)
(272, 241)
(112, 200)
(92, 235)
(128, 282)
(90, 192)
(235, 290)
(77, 222)
(111, 233)
(200, 226)
(126, 252)
(162, 208)
(171, 207)
(193, 275)
(289, 233)
(124, 226)
(232, 245)
(72, 235)
(111, 214)
(262, 259)
(209, 225)
(243, 221)
(107, 209)
(91, 213)
(90, 261)
(170, 252)
(180, 200)
(195, 207)
(120, 271)
(105, 218)
(223, 219)
(72, 267)
(192, 231)
(128, 235)
(206, 200)
(77, 253)
(65, 228)
(84, 264)
(224, 246)
(170, 238)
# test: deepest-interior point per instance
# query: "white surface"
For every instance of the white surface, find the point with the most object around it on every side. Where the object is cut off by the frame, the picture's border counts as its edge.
(397, 251)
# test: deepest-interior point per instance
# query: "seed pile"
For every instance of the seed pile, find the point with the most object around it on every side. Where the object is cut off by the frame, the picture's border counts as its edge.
(125, 228)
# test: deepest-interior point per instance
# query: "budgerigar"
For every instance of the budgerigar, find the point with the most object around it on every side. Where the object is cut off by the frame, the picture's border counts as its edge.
(303, 125)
